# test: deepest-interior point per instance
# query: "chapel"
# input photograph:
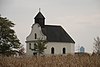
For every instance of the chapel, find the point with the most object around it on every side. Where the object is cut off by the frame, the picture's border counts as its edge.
(58, 40)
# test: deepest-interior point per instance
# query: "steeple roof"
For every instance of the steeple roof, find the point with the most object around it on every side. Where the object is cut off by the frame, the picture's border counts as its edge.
(39, 15)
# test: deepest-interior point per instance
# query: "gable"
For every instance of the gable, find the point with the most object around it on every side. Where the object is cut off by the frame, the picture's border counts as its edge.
(36, 31)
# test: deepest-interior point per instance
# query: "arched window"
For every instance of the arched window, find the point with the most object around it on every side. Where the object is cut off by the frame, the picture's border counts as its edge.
(35, 35)
(52, 50)
(29, 45)
(64, 50)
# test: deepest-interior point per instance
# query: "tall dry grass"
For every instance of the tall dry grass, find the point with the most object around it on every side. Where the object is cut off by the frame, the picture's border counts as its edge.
(51, 61)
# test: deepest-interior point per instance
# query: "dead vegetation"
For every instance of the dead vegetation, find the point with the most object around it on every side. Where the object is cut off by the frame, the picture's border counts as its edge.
(51, 61)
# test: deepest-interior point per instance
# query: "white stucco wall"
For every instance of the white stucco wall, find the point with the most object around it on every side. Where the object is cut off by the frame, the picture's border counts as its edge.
(36, 29)
(58, 47)
(29, 51)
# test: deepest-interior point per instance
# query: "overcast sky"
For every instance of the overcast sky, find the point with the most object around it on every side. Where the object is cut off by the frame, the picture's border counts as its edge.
(80, 18)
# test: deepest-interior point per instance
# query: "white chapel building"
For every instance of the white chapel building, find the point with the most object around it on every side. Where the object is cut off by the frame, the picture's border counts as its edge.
(58, 40)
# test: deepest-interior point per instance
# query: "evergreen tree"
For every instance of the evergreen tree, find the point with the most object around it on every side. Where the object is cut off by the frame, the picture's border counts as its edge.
(8, 39)
(39, 46)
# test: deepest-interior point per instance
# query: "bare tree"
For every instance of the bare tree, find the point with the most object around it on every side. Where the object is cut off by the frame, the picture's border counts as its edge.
(21, 51)
(97, 45)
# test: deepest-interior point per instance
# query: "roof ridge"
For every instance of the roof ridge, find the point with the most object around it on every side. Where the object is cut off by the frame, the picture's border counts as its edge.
(53, 25)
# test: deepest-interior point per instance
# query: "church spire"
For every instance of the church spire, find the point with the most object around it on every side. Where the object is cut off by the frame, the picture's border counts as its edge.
(40, 19)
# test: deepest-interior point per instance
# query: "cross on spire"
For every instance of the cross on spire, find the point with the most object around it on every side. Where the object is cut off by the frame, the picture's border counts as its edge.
(39, 9)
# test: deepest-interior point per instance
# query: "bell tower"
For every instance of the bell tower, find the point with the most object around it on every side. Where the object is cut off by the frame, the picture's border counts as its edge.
(40, 19)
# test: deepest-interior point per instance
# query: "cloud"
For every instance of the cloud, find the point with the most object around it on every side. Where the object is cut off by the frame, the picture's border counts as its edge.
(83, 19)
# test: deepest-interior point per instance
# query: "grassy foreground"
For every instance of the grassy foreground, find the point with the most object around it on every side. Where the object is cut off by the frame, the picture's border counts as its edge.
(51, 61)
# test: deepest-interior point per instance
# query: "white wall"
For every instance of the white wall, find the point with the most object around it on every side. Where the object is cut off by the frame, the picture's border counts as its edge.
(58, 46)
(29, 51)
(36, 29)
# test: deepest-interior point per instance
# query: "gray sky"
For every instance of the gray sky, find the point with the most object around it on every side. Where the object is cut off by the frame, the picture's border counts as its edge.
(80, 18)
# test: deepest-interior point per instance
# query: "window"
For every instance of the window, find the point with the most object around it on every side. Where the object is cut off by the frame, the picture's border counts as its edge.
(29, 45)
(35, 35)
(64, 50)
(52, 50)
(35, 45)
(34, 53)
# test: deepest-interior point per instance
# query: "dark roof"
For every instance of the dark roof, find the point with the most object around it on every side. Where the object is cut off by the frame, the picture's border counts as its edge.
(56, 34)
(39, 15)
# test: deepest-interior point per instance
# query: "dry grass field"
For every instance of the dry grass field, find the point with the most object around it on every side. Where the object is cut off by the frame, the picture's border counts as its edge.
(51, 61)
